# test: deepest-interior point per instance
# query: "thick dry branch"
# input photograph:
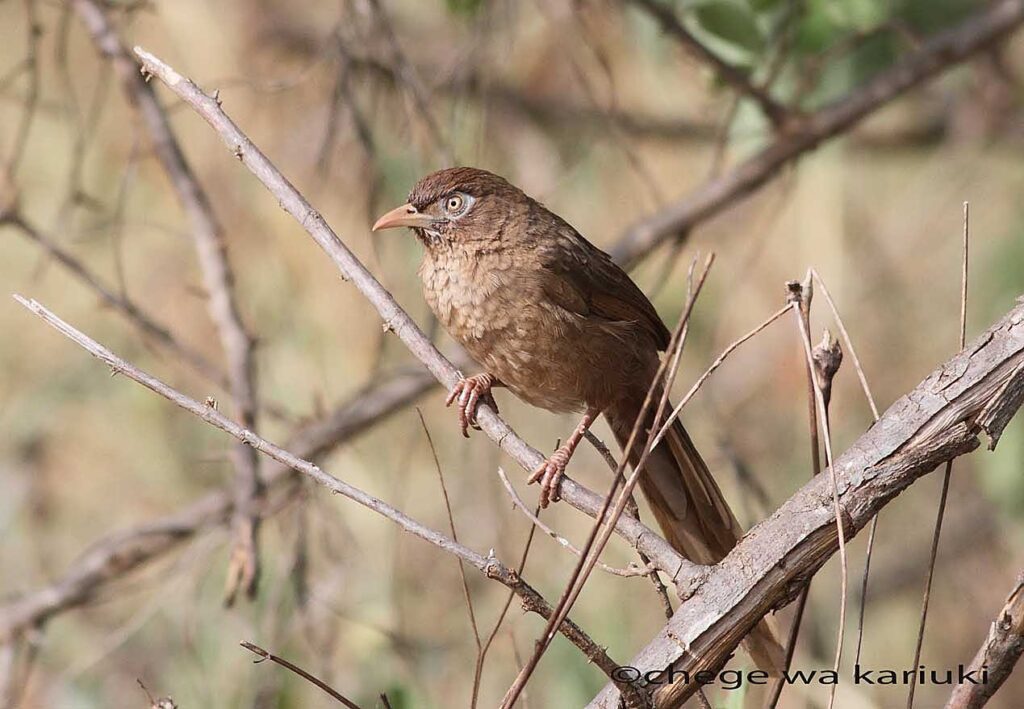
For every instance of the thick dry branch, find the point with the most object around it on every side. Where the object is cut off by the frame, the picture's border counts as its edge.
(932, 424)
(931, 58)
(211, 250)
(489, 565)
(998, 654)
(737, 78)
(661, 554)
(118, 554)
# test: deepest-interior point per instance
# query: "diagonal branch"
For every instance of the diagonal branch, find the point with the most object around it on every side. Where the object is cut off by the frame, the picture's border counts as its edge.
(734, 76)
(931, 58)
(397, 320)
(145, 322)
(997, 656)
(291, 667)
(120, 553)
(939, 420)
(208, 235)
(489, 565)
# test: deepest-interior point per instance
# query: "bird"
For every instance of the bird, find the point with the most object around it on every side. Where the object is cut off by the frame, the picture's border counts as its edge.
(553, 319)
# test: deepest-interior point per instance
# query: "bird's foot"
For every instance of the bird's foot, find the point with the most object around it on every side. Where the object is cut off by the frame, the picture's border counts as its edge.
(550, 474)
(469, 392)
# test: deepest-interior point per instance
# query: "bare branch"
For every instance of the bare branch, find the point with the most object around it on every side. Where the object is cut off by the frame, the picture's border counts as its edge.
(517, 501)
(208, 235)
(145, 322)
(997, 656)
(118, 554)
(482, 654)
(932, 424)
(451, 528)
(735, 77)
(397, 320)
(934, 56)
(30, 66)
(488, 565)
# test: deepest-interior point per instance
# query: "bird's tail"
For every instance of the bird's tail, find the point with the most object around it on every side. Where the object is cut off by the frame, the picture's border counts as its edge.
(690, 509)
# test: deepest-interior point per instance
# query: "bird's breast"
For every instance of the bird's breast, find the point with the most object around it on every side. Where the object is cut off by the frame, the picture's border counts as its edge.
(547, 356)
(468, 300)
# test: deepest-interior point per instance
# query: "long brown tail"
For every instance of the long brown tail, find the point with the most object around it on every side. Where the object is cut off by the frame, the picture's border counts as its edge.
(691, 510)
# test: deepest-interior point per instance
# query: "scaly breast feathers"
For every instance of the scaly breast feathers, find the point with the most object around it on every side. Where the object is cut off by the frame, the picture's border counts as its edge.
(532, 346)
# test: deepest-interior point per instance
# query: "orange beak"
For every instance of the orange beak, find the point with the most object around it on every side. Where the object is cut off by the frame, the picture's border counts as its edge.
(406, 215)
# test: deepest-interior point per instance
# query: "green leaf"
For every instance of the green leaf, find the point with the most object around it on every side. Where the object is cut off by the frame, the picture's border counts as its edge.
(817, 29)
(732, 22)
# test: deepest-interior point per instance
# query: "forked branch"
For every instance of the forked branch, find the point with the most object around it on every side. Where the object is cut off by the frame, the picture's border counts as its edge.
(936, 422)
(931, 58)
(661, 554)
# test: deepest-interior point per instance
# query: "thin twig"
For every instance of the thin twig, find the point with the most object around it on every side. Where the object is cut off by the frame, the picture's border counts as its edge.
(932, 57)
(116, 555)
(735, 77)
(481, 656)
(927, 426)
(397, 320)
(451, 528)
(410, 78)
(488, 565)
(848, 343)
(800, 296)
(316, 681)
(211, 250)
(155, 703)
(145, 322)
(819, 395)
(663, 431)
(946, 474)
(634, 510)
(600, 532)
(517, 501)
(30, 65)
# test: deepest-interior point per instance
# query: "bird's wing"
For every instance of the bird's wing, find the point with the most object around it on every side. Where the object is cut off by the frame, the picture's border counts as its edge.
(581, 278)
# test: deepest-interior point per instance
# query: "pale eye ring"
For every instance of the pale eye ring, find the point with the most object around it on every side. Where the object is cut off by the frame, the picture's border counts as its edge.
(454, 204)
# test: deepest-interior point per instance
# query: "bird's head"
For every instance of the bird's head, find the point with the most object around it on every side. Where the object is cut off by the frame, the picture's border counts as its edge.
(457, 206)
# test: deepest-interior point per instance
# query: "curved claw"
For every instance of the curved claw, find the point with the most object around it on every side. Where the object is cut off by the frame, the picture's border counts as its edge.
(550, 474)
(468, 393)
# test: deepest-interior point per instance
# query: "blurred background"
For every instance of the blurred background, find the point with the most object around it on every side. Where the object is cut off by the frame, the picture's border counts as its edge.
(588, 106)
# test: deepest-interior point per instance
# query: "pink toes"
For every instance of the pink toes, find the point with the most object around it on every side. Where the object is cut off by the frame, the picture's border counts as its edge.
(467, 394)
(550, 474)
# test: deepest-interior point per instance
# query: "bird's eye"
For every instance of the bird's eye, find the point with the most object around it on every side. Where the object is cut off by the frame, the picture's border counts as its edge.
(454, 204)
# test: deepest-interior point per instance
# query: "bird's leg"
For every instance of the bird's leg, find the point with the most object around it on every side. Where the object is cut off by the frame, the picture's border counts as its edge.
(550, 472)
(468, 392)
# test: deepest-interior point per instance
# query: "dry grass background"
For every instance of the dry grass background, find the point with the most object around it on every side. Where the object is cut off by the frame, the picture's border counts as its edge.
(82, 454)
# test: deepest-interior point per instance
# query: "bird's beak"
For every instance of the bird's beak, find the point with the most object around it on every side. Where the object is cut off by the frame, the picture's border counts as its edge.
(406, 215)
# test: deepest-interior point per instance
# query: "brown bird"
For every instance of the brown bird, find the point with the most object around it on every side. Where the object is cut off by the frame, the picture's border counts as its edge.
(555, 320)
